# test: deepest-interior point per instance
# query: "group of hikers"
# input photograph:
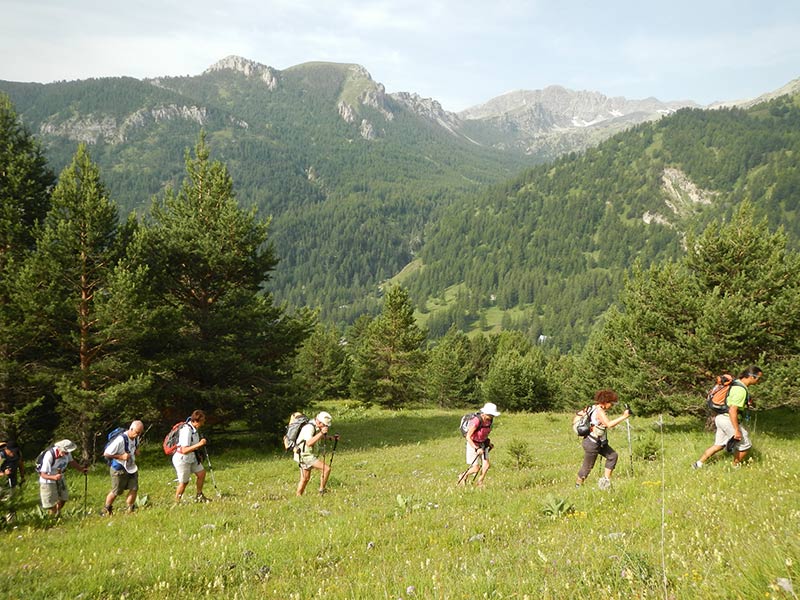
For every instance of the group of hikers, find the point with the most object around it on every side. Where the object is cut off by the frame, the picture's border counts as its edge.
(729, 434)
(188, 452)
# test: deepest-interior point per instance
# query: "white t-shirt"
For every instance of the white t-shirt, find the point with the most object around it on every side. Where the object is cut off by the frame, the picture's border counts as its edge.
(187, 436)
(51, 465)
(307, 431)
(117, 446)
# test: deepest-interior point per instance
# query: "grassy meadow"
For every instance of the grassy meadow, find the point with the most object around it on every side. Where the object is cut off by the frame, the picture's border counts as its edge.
(394, 525)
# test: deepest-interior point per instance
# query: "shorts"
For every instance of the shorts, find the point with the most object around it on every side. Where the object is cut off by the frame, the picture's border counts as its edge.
(307, 461)
(472, 454)
(725, 432)
(53, 493)
(122, 480)
(185, 470)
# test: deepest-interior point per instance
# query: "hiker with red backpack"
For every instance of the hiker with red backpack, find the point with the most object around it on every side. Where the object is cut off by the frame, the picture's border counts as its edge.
(478, 443)
(185, 459)
(121, 453)
(730, 432)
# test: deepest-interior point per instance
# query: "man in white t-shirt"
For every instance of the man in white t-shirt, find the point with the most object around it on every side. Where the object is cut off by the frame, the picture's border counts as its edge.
(122, 451)
(52, 486)
(311, 433)
(185, 459)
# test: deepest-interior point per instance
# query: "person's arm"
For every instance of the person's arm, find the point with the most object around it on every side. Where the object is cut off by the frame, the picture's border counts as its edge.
(78, 466)
(473, 427)
(193, 447)
(733, 411)
(323, 430)
(113, 451)
(47, 464)
(602, 417)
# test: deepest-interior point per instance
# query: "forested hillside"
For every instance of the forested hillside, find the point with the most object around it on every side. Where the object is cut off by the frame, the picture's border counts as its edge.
(551, 247)
(348, 174)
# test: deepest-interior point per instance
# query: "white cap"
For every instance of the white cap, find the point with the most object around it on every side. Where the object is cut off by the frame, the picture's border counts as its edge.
(490, 409)
(66, 446)
(325, 418)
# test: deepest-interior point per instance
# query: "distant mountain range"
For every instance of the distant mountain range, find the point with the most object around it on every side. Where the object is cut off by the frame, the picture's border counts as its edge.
(356, 180)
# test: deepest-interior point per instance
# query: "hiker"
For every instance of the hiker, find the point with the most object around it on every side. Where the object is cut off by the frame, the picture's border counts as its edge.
(11, 463)
(122, 451)
(479, 444)
(311, 433)
(186, 460)
(729, 428)
(596, 443)
(52, 485)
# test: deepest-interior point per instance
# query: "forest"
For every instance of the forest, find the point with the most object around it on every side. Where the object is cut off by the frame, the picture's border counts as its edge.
(104, 319)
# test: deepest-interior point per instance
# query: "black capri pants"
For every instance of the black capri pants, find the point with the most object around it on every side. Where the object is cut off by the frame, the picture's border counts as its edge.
(591, 449)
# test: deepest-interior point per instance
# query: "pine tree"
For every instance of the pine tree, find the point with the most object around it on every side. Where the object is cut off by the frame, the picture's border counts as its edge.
(65, 290)
(215, 335)
(388, 357)
(25, 185)
(449, 379)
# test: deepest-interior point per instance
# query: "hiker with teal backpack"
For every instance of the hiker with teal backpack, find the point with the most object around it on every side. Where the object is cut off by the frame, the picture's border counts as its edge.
(476, 429)
(51, 465)
(121, 453)
(730, 412)
(596, 442)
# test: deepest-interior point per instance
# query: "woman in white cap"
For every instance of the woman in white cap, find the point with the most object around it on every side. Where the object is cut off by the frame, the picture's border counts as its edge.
(312, 432)
(52, 487)
(479, 444)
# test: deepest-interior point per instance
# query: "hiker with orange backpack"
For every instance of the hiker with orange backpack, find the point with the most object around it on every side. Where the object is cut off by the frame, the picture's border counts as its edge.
(729, 429)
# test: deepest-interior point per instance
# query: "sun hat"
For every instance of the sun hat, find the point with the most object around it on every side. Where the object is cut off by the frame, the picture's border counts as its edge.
(325, 418)
(66, 446)
(490, 409)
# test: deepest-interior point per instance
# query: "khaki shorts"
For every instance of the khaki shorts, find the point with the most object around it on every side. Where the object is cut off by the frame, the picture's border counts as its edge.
(122, 480)
(725, 432)
(185, 470)
(472, 454)
(53, 493)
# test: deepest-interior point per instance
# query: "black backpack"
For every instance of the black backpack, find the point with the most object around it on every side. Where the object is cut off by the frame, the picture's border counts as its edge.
(582, 421)
(296, 422)
(467, 419)
(37, 464)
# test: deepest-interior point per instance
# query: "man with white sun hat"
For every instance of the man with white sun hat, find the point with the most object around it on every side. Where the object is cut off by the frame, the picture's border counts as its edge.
(478, 443)
(311, 433)
(52, 487)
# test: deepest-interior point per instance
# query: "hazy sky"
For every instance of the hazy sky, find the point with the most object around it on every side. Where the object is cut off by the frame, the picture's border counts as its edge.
(460, 52)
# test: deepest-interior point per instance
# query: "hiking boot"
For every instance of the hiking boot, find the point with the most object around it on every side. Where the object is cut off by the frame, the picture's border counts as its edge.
(201, 498)
(107, 511)
(131, 509)
(697, 465)
(322, 492)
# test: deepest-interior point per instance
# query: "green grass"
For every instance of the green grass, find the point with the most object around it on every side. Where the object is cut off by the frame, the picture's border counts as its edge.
(394, 526)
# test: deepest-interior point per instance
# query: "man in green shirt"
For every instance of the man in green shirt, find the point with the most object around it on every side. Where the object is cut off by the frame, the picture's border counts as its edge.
(729, 428)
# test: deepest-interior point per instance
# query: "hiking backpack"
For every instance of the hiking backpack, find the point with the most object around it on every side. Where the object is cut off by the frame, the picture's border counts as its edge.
(296, 423)
(170, 444)
(582, 422)
(37, 464)
(717, 397)
(113, 462)
(467, 419)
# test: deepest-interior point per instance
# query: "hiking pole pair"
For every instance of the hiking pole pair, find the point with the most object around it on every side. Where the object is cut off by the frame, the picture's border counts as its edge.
(464, 474)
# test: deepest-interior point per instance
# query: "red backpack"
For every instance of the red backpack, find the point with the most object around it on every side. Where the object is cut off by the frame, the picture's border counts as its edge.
(170, 443)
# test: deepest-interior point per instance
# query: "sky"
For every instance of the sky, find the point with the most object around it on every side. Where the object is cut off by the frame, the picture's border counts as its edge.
(459, 52)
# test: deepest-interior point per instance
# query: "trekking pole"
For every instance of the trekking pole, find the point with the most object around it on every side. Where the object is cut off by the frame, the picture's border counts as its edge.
(483, 453)
(210, 470)
(630, 446)
(460, 479)
(85, 489)
(333, 451)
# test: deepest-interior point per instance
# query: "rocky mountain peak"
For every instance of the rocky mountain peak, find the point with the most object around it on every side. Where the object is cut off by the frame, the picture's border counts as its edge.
(248, 68)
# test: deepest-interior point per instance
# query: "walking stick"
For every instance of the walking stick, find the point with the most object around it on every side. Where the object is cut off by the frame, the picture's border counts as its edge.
(630, 446)
(333, 451)
(85, 489)
(213, 478)
(460, 479)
